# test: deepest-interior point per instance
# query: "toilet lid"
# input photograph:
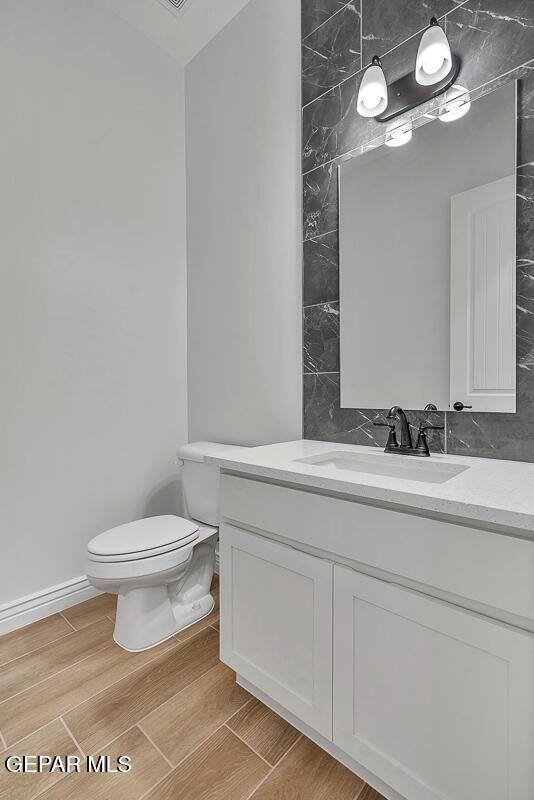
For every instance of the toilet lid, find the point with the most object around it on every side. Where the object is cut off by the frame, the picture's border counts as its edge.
(143, 538)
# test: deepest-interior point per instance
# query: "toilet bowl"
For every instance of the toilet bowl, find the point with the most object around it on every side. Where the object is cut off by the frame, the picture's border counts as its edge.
(162, 567)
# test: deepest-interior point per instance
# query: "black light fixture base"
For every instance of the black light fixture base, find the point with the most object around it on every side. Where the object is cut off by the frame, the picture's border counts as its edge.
(405, 93)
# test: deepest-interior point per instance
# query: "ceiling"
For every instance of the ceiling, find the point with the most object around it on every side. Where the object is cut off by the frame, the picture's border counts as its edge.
(181, 34)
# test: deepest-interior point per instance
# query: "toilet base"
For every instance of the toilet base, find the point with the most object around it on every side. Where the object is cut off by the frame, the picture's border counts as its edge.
(146, 617)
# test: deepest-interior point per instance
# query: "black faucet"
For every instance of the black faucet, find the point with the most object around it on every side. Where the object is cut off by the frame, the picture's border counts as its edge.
(406, 448)
(396, 414)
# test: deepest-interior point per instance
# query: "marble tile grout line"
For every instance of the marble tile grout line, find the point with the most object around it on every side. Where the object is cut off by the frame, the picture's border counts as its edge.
(319, 235)
(336, 372)
(382, 55)
(324, 22)
(354, 150)
(324, 303)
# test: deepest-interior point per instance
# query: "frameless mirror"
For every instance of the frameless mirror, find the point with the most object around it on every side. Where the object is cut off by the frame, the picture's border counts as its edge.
(427, 264)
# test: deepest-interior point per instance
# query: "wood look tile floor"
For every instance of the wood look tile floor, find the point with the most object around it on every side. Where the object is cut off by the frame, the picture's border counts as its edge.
(191, 732)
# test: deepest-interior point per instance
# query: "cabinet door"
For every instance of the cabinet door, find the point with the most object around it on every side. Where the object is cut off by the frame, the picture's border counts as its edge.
(436, 701)
(276, 623)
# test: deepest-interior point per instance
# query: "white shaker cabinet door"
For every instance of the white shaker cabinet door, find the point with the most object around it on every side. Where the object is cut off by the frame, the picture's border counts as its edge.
(276, 623)
(436, 701)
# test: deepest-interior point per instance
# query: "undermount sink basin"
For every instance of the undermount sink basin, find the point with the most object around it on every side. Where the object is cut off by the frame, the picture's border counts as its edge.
(390, 466)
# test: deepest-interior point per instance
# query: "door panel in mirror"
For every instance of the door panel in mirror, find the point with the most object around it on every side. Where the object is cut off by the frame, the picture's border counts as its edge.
(483, 272)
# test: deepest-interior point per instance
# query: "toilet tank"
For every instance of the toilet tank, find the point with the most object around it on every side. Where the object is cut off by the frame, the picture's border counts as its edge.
(201, 480)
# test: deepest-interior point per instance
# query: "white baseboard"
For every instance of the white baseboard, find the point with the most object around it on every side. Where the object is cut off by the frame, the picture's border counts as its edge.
(21, 612)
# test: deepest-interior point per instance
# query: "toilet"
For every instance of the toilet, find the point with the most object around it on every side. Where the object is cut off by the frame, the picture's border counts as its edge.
(161, 567)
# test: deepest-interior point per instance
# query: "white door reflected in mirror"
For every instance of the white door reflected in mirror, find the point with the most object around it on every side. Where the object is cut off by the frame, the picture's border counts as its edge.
(483, 272)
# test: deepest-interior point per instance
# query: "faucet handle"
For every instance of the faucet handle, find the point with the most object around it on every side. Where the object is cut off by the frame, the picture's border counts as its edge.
(422, 443)
(392, 443)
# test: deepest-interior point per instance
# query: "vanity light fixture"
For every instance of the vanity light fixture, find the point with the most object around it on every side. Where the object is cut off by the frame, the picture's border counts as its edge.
(398, 135)
(373, 93)
(457, 104)
(434, 57)
(436, 69)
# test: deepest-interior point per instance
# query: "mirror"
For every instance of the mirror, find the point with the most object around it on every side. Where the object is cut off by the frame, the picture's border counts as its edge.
(427, 265)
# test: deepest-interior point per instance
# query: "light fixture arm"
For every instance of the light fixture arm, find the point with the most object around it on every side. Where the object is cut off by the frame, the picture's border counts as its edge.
(405, 93)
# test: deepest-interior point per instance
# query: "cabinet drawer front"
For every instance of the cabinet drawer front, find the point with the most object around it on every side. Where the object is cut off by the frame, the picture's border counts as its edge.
(435, 700)
(276, 623)
(481, 566)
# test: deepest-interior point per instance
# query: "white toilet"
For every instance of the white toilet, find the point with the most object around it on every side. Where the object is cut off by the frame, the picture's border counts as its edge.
(161, 568)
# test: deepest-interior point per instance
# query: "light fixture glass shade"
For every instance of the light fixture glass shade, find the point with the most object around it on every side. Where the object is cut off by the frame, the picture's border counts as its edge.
(373, 93)
(398, 135)
(434, 58)
(457, 104)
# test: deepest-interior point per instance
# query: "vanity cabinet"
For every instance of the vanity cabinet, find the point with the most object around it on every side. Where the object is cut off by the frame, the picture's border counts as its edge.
(276, 623)
(396, 640)
(435, 700)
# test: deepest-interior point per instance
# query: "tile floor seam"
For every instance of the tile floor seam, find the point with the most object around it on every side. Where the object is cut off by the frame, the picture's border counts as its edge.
(36, 649)
(68, 622)
(71, 708)
(72, 736)
(172, 697)
(128, 675)
(53, 674)
(32, 733)
(154, 745)
(181, 761)
(248, 745)
(260, 784)
(30, 652)
(289, 749)
(113, 683)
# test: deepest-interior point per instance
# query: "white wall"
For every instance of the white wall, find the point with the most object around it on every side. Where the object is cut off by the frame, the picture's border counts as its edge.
(181, 34)
(92, 284)
(244, 224)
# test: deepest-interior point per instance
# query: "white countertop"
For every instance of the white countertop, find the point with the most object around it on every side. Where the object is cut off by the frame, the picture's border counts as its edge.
(498, 493)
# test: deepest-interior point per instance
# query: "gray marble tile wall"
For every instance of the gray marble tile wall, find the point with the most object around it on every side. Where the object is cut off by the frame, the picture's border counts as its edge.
(495, 40)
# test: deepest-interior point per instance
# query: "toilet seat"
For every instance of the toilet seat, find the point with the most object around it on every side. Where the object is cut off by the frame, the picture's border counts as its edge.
(143, 539)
